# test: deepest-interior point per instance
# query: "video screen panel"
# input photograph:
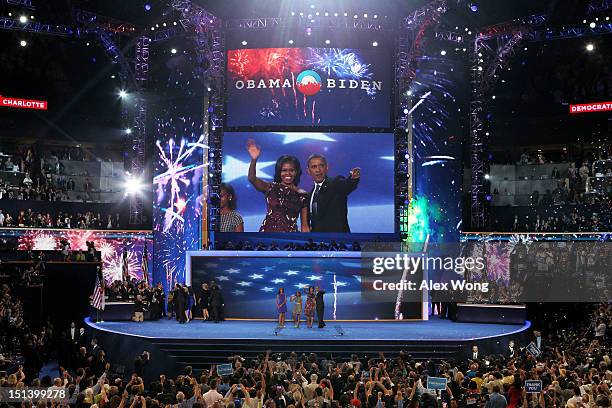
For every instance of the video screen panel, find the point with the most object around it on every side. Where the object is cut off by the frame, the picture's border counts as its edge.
(250, 280)
(308, 87)
(368, 203)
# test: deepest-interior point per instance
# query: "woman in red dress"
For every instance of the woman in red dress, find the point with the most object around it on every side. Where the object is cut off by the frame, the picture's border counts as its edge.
(284, 199)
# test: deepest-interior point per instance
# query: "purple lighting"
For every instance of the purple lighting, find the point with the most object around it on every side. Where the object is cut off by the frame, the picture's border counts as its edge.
(147, 6)
(474, 7)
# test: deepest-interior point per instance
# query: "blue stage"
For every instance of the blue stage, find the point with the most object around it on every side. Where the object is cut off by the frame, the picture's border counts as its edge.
(199, 344)
(435, 329)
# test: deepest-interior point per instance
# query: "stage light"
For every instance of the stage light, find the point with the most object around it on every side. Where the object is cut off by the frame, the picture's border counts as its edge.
(317, 13)
(173, 50)
(308, 31)
(593, 25)
(293, 13)
(355, 16)
(327, 42)
(290, 41)
(113, 77)
(312, 6)
(147, 6)
(335, 14)
(406, 111)
(87, 44)
(326, 14)
(583, 21)
(244, 43)
(365, 15)
(209, 89)
(23, 43)
(152, 28)
(10, 14)
(174, 23)
(480, 68)
(443, 52)
(493, 97)
(466, 29)
(487, 177)
(301, 14)
(128, 131)
(157, 25)
(32, 17)
(375, 15)
(474, 7)
(133, 185)
(345, 14)
(375, 44)
(590, 47)
(469, 33)
(23, 19)
(122, 94)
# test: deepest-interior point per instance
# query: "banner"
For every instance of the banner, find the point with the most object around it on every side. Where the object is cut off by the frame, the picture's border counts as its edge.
(23, 103)
(591, 107)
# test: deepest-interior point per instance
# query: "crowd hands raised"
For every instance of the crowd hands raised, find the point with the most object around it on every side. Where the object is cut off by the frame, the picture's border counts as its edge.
(574, 367)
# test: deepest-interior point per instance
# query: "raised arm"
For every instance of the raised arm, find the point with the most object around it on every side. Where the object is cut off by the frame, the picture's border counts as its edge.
(254, 152)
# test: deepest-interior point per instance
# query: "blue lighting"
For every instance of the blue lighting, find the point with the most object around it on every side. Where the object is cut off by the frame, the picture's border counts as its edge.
(147, 6)
(474, 7)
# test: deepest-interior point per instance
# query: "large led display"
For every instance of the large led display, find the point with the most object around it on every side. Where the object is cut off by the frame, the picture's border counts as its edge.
(250, 280)
(369, 202)
(308, 87)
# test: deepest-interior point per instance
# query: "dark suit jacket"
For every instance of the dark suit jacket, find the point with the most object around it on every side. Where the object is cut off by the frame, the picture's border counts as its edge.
(319, 300)
(331, 205)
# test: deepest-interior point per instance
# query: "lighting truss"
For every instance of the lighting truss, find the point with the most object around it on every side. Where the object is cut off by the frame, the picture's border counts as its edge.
(93, 20)
(30, 26)
(22, 3)
(138, 135)
(450, 36)
(412, 36)
(333, 23)
(597, 6)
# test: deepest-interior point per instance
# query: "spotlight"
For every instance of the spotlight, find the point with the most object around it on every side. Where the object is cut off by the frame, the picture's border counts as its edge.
(487, 177)
(10, 15)
(365, 15)
(244, 42)
(290, 41)
(31, 17)
(480, 68)
(590, 47)
(406, 111)
(293, 13)
(375, 44)
(133, 185)
(355, 16)
(209, 89)
(128, 131)
(493, 97)
(593, 25)
(327, 42)
(87, 44)
(312, 6)
(152, 28)
(375, 15)
(122, 94)
(174, 23)
(23, 19)
(148, 6)
(301, 14)
(443, 52)
(326, 14)
(23, 43)
(345, 14)
(317, 13)
(308, 31)
(113, 77)
(474, 7)
(335, 14)
(173, 50)
(157, 25)
(164, 24)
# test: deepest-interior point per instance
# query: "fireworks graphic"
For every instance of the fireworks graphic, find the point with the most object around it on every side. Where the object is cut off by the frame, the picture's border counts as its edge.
(113, 266)
(341, 63)
(176, 176)
(38, 240)
(265, 63)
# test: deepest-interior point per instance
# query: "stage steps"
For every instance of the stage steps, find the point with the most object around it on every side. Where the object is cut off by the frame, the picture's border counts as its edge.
(202, 353)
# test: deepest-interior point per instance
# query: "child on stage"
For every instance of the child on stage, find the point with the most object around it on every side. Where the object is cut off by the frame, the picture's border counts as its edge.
(297, 308)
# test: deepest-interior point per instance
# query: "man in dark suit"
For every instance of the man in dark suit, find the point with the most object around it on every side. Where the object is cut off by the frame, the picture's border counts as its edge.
(320, 306)
(327, 209)
(216, 303)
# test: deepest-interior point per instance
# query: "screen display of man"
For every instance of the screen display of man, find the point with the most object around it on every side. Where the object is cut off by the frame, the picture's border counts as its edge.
(328, 198)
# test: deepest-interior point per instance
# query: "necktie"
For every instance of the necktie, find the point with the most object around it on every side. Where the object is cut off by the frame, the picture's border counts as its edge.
(315, 197)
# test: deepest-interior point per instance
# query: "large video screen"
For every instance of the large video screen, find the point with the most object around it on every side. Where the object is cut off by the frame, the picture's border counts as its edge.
(250, 280)
(308, 87)
(356, 187)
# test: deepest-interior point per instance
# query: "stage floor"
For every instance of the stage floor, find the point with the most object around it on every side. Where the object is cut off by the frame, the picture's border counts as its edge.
(435, 329)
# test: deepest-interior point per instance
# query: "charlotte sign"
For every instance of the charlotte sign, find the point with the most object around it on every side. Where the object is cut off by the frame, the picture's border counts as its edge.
(22, 103)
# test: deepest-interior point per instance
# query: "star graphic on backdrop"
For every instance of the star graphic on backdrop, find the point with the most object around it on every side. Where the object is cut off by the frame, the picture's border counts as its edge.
(278, 280)
(390, 158)
(256, 276)
(238, 292)
(267, 289)
(296, 137)
(268, 268)
(243, 283)
(301, 285)
(340, 283)
(232, 270)
(212, 264)
(222, 278)
(291, 273)
(234, 169)
(314, 277)
(245, 263)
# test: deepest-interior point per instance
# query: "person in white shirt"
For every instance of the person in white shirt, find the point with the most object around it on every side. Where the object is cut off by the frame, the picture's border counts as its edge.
(212, 395)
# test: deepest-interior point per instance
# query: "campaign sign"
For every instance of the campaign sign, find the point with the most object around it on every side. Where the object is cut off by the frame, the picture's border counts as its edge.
(533, 386)
(533, 349)
(225, 369)
(436, 383)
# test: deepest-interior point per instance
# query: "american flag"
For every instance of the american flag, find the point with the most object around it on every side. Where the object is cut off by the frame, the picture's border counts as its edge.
(97, 300)
(124, 267)
(145, 266)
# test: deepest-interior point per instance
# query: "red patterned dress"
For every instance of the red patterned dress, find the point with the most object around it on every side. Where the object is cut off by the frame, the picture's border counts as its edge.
(284, 207)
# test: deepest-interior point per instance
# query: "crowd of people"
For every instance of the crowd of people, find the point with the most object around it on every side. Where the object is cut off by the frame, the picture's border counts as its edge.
(32, 219)
(308, 245)
(572, 359)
